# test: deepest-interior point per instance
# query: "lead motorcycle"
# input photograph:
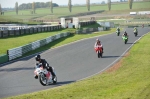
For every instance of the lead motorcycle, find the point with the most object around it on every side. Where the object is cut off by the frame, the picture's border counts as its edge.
(135, 33)
(44, 76)
(99, 51)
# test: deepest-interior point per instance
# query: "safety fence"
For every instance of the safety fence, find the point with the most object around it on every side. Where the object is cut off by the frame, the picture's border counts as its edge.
(20, 51)
(90, 30)
(85, 23)
(133, 23)
(3, 58)
(31, 30)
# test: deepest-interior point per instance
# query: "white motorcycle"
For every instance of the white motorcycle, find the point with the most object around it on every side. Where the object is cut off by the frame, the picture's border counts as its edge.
(44, 76)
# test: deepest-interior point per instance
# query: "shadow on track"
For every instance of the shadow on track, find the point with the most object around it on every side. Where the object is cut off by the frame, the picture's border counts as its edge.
(138, 36)
(16, 69)
(131, 43)
(111, 56)
(62, 83)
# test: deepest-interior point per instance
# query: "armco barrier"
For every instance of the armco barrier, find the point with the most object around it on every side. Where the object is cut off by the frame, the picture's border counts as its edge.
(3, 58)
(14, 53)
(26, 48)
(19, 51)
(84, 31)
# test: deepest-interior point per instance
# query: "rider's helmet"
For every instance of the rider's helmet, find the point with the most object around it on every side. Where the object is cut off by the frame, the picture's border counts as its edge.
(97, 40)
(125, 32)
(37, 57)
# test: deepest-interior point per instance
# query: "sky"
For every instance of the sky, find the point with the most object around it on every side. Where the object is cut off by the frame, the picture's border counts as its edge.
(11, 3)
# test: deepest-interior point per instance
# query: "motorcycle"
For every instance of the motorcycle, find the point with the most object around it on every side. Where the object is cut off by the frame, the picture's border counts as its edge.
(118, 33)
(44, 76)
(125, 39)
(143, 26)
(99, 51)
(135, 33)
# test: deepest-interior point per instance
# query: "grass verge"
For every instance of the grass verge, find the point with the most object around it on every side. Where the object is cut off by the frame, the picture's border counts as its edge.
(129, 81)
(16, 41)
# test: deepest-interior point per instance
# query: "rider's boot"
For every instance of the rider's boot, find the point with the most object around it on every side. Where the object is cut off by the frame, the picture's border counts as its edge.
(102, 50)
(35, 76)
(53, 75)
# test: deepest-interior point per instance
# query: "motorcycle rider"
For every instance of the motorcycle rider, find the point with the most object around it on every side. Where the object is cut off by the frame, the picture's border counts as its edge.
(45, 65)
(125, 34)
(118, 29)
(98, 42)
(135, 29)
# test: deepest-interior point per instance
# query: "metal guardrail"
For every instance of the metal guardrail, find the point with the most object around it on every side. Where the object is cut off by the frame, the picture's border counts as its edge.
(89, 30)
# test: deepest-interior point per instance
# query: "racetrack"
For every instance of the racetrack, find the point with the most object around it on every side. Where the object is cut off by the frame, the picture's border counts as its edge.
(72, 62)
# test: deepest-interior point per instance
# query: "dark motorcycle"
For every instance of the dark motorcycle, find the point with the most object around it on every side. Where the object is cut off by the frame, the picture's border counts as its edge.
(135, 32)
(118, 33)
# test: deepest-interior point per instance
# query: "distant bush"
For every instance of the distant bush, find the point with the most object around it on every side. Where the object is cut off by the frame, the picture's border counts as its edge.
(37, 5)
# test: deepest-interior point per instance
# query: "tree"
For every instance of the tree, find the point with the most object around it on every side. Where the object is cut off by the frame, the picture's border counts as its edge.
(33, 7)
(51, 6)
(109, 5)
(88, 4)
(16, 7)
(70, 5)
(37, 5)
(130, 3)
(103, 2)
(0, 10)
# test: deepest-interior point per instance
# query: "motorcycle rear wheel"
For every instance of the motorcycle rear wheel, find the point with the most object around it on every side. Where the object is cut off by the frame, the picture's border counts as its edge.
(99, 54)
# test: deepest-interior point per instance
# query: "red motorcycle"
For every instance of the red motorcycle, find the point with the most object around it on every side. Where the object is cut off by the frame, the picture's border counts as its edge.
(99, 51)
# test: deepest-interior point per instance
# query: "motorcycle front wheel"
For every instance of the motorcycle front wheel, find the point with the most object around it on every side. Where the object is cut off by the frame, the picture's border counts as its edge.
(42, 79)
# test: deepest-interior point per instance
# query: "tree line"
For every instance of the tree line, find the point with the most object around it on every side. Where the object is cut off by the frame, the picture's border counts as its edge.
(88, 4)
(36, 5)
(50, 5)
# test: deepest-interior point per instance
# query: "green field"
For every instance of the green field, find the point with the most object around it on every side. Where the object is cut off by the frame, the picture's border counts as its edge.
(16, 41)
(128, 79)
(45, 13)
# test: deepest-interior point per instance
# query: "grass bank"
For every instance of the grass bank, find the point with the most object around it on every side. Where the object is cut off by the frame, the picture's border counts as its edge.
(128, 79)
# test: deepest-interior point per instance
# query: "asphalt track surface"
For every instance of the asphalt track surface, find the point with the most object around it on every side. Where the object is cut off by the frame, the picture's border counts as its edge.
(72, 62)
